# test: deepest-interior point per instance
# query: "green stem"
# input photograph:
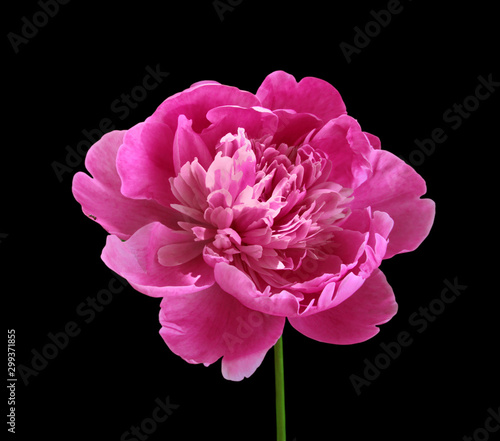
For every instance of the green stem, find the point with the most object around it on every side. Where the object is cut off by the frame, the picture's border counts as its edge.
(280, 390)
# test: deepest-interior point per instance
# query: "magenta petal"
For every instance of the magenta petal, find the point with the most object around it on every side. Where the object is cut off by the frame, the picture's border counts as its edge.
(201, 327)
(332, 294)
(293, 127)
(178, 253)
(196, 101)
(188, 145)
(257, 122)
(373, 140)
(101, 198)
(239, 285)
(349, 246)
(137, 261)
(348, 148)
(346, 288)
(280, 90)
(355, 319)
(376, 248)
(145, 163)
(395, 188)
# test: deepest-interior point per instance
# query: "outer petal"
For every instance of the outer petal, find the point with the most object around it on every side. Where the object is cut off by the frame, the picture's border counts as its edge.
(101, 198)
(378, 225)
(196, 101)
(359, 250)
(395, 188)
(145, 163)
(374, 140)
(137, 260)
(348, 148)
(280, 90)
(204, 326)
(355, 319)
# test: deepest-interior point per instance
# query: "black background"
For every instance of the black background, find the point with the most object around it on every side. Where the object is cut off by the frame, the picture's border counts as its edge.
(64, 79)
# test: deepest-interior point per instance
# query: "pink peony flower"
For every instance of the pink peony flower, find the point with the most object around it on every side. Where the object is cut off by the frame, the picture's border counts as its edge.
(244, 210)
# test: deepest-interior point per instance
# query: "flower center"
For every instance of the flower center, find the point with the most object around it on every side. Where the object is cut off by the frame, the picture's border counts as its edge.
(261, 206)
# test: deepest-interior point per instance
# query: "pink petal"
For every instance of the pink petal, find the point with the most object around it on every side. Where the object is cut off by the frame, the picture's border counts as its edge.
(196, 101)
(234, 173)
(280, 90)
(293, 127)
(376, 246)
(137, 260)
(257, 122)
(315, 274)
(238, 284)
(349, 245)
(377, 227)
(395, 188)
(331, 294)
(101, 198)
(349, 285)
(348, 148)
(373, 140)
(201, 327)
(175, 254)
(355, 319)
(188, 145)
(189, 189)
(145, 163)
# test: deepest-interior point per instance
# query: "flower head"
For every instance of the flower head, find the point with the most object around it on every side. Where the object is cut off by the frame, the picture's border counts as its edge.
(241, 211)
